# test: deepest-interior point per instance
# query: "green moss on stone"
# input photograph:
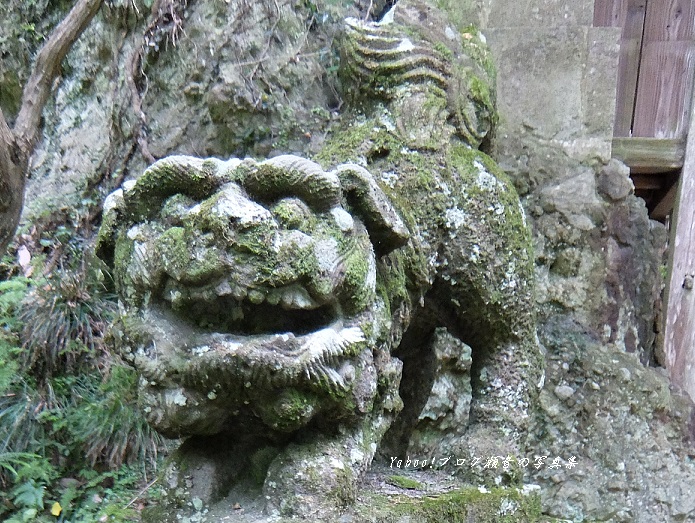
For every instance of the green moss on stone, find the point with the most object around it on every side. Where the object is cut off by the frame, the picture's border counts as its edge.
(444, 50)
(259, 463)
(291, 216)
(175, 248)
(404, 482)
(460, 506)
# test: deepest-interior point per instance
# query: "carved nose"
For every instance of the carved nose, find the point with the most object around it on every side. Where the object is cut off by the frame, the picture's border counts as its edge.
(291, 259)
(234, 219)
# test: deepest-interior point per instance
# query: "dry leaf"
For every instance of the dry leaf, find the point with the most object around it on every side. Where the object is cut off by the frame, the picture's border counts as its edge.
(24, 260)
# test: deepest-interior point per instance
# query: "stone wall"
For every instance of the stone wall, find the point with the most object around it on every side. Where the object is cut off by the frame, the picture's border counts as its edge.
(598, 256)
(599, 262)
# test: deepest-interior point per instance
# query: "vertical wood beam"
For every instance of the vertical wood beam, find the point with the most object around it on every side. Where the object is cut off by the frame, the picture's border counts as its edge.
(679, 328)
(630, 15)
(628, 66)
(610, 13)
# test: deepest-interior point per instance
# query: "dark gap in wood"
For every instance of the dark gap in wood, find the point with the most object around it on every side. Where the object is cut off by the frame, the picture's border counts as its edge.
(639, 66)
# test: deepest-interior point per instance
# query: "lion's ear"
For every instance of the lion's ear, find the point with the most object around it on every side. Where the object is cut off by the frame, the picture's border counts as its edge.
(368, 201)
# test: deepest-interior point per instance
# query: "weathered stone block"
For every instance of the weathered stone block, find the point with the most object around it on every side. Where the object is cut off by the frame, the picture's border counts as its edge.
(557, 85)
(533, 14)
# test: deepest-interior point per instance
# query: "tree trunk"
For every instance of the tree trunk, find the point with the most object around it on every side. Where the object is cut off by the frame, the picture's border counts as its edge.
(13, 166)
(17, 145)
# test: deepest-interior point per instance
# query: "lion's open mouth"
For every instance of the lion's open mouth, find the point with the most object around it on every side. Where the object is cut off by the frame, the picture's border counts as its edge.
(227, 315)
(254, 312)
(270, 347)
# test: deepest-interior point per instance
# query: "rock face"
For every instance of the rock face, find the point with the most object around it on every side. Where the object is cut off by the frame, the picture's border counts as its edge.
(598, 256)
(264, 301)
(631, 436)
(218, 79)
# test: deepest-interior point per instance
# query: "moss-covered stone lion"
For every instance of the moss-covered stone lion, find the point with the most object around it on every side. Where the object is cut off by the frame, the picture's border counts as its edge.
(273, 307)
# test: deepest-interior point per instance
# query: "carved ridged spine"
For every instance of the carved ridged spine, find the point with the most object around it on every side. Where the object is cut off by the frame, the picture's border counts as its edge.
(376, 53)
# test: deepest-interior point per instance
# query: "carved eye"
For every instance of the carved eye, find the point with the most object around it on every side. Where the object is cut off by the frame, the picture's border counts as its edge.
(175, 209)
(292, 213)
(343, 219)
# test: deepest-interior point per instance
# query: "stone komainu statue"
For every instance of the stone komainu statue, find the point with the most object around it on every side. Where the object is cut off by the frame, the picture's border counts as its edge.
(273, 308)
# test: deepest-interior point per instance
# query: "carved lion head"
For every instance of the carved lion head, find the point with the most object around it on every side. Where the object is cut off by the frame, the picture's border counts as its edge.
(248, 290)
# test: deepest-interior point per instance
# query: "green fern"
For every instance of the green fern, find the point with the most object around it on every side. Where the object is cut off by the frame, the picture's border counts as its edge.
(11, 461)
(9, 367)
(12, 292)
(28, 495)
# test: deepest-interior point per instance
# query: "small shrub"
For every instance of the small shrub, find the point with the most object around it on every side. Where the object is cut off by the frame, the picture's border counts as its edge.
(64, 322)
(12, 292)
(68, 408)
(8, 362)
(109, 426)
(11, 461)
(20, 430)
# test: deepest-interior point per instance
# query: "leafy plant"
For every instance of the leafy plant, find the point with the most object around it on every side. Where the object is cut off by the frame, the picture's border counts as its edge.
(109, 426)
(11, 461)
(67, 405)
(12, 292)
(20, 428)
(26, 516)
(64, 322)
(8, 363)
(29, 495)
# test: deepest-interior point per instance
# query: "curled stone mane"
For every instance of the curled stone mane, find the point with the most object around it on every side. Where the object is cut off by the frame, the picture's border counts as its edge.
(382, 57)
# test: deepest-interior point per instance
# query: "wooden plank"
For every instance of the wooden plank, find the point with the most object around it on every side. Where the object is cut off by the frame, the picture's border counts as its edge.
(666, 70)
(669, 20)
(650, 155)
(679, 329)
(610, 13)
(628, 65)
(666, 204)
(664, 89)
(648, 182)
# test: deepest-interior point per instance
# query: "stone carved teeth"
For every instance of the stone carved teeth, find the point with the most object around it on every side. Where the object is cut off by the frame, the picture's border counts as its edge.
(256, 296)
(223, 289)
(292, 297)
(296, 297)
(239, 292)
(274, 296)
(237, 314)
